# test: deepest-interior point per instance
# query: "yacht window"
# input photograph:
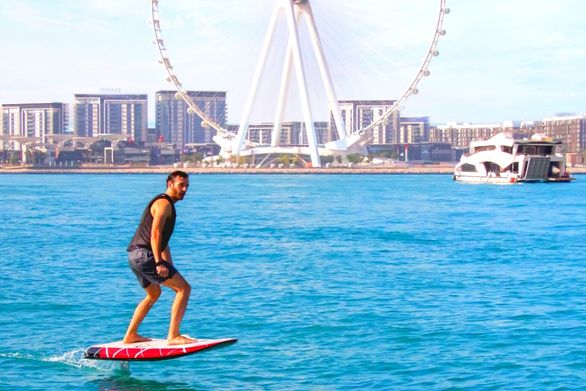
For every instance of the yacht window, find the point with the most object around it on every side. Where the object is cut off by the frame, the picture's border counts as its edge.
(468, 168)
(536, 149)
(507, 149)
(524, 149)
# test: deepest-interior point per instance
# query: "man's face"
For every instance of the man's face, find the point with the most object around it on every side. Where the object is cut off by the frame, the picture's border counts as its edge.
(178, 187)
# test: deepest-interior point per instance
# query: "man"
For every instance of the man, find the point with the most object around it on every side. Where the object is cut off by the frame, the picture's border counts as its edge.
(150, 259)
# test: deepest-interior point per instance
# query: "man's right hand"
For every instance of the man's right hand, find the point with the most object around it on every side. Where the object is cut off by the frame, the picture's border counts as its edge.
(162, 270)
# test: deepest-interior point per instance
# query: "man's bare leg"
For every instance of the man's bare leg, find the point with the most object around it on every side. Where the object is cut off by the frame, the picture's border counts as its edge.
(182, 291)
(142, 309)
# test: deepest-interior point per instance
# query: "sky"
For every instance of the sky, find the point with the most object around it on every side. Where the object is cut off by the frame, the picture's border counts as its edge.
(500, 60)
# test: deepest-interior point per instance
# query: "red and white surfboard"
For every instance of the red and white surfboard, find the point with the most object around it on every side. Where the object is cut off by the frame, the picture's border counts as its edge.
(156, 349)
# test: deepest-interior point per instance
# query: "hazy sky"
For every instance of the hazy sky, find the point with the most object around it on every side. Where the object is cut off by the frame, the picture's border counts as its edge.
(500, 59)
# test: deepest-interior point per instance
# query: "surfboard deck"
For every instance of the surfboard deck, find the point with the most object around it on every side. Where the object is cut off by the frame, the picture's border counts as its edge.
(154, 350)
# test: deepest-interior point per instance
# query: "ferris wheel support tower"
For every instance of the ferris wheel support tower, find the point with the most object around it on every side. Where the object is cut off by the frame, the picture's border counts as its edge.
(295, 12)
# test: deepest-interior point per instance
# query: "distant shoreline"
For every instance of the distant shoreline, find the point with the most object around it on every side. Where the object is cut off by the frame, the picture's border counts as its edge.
(357, 170)
(422, 169)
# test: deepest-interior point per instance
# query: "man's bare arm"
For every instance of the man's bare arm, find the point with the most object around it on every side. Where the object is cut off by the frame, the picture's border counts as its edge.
(167, 254)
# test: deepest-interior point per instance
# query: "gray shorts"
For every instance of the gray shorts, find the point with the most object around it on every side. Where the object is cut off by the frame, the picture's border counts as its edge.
(142, 263)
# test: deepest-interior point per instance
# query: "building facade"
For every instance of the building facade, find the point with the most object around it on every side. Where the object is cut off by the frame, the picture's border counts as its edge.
(292, 133)
(459, 135)
(359, 114)
(37, 120)
(99, 114)
(413, 130)
(571, 130)
(408, 152)
(176, 126)
(323, 132)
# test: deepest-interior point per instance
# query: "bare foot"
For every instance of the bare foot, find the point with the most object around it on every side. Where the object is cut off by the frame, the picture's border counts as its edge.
(180, 340)
(134, 338)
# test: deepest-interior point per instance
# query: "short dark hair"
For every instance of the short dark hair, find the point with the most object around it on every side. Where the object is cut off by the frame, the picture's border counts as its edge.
(175, 174)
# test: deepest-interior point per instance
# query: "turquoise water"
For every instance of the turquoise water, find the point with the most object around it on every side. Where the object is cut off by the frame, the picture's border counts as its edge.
(329, 282)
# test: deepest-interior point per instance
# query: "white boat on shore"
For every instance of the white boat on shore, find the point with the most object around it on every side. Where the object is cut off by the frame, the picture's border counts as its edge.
(502, 159)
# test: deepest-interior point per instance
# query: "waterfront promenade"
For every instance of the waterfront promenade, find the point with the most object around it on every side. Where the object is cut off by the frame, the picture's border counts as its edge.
(359, 169)
(444, 168)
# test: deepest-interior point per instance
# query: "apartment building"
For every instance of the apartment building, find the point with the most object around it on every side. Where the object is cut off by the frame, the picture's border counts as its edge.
(177, 126)
(413, 130)
(107, 114)
(292, 133)
(359, 114)
(459, 135)
(570, 129)
(35, 119)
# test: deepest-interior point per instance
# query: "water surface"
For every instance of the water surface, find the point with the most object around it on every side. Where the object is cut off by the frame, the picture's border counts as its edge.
(329, 282)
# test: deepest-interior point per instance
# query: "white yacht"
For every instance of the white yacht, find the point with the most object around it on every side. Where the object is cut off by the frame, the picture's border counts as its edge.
(502, 159)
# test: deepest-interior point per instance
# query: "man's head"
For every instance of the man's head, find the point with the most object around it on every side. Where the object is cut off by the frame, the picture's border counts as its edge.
(177, 185)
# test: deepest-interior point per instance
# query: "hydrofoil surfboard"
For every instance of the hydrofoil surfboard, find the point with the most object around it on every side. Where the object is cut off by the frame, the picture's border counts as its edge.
(153, 350)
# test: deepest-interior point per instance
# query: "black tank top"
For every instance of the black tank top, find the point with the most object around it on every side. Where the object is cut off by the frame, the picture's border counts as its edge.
(142, 237)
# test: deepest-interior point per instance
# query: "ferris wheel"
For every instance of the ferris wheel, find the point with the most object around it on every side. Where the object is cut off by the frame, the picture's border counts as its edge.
(296, 23)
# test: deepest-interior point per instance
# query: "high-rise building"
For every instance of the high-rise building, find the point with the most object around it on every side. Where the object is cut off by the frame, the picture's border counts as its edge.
(292, 133)
(177, 126)
(460, 135)
(414, 130)
(99, 114)
(322, 132)
(570, 129)
(35, 119)
(359, 114)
